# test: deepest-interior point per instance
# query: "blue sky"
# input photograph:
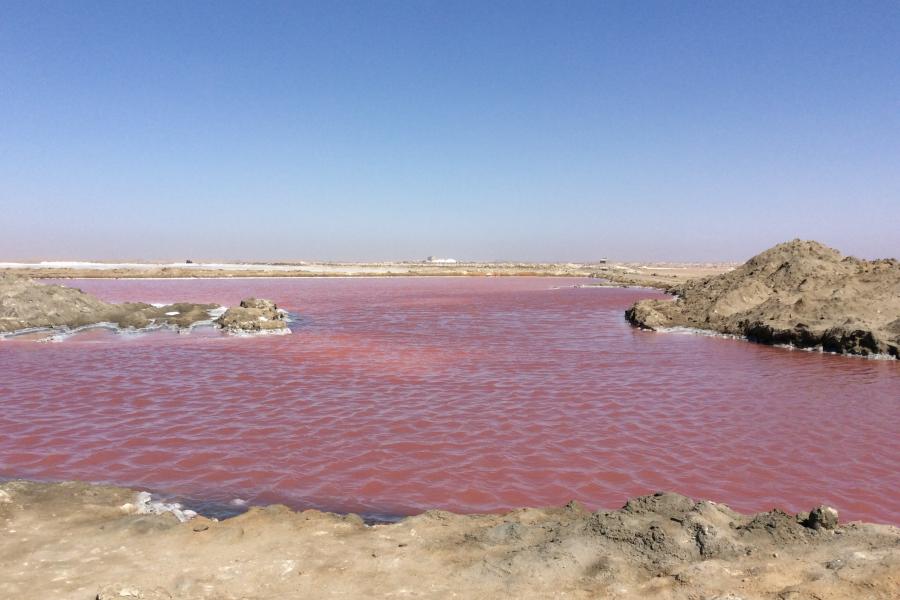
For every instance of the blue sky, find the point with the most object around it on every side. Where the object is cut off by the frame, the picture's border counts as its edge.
(488, 130)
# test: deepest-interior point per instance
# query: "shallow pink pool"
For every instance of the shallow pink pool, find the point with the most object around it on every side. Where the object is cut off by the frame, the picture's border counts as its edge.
(397, 395)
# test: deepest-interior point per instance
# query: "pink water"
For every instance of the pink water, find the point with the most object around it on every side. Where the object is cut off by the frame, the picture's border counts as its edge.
(396, 395)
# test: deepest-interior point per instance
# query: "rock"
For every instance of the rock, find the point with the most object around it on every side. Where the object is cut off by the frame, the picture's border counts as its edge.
(823, 517)
(145, 505)
(800, 293)
(254, 315)
(202, 524)
(647, 316)
(258, 303)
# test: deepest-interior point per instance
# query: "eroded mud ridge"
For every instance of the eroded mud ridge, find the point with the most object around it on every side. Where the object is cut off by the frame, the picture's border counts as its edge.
(78, 541)
(800, 293)
(28, 305)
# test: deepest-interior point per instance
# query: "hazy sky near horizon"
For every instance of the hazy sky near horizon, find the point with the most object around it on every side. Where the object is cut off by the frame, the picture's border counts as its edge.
(477, 130)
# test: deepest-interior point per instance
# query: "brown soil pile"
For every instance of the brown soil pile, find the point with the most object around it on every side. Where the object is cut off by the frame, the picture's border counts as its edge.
(77, 541)
(801, 293)
(253, 315)
(26, 304)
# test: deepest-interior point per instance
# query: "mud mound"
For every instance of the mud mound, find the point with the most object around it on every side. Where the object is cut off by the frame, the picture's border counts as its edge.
(26, 304)
(75, 540)
(801, 293)
(253, 315)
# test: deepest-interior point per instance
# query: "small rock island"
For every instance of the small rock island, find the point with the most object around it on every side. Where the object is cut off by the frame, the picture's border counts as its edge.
(253, 315)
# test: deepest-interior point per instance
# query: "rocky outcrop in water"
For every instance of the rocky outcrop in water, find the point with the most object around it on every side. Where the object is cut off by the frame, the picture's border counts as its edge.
(800, 293)
(26, 305)
(73, 540)
(254, 315)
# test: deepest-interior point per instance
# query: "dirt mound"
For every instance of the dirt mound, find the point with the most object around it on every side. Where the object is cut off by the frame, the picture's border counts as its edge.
(26, 304)
(75, 540)
(254, 315)
(801, 293)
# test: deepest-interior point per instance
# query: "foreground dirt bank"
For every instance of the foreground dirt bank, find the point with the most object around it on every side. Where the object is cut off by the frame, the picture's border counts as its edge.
(801, 293)
(78, 541)
(26, 304)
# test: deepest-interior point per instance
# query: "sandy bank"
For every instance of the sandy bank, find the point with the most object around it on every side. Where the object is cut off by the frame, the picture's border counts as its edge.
(78, 541)
(86, 270)
(800, 293)
(27, 305)
(662, 275)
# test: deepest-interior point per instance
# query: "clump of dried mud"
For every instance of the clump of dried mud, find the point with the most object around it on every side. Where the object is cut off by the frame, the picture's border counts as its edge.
(75, 540)
(28, 305)
(800, 293)
(253, 315)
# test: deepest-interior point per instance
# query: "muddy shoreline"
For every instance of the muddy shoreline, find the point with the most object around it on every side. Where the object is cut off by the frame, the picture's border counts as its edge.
(81, 541)
(28, 306)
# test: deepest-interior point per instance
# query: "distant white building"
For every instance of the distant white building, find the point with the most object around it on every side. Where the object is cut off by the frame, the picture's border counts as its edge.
(441, 261)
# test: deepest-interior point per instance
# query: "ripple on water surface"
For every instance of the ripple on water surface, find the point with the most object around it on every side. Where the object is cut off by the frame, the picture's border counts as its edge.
(396, 395)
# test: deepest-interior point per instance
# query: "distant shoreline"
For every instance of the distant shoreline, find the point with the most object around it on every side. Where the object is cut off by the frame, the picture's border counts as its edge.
(657, 275)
